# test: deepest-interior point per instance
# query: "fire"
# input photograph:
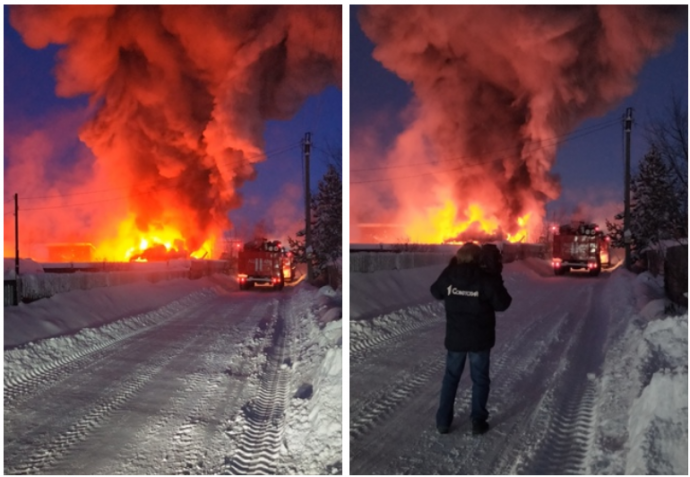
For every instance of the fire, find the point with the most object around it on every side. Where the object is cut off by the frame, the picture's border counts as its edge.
(163, 243)
(441, 225)
(521, 234)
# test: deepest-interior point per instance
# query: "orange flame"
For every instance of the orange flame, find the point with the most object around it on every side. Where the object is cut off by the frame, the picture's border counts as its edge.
(132, 243)
(521, 234)
(440, 224)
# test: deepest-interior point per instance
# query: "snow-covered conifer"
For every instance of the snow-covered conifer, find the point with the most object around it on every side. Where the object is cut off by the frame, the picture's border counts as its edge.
(655, 205)
(326, 225)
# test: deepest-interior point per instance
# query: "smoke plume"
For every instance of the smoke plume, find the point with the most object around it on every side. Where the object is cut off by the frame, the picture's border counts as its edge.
(494, 86)
(182, 94)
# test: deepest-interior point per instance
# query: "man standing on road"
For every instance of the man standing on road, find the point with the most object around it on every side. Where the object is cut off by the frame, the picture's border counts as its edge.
(471, 294)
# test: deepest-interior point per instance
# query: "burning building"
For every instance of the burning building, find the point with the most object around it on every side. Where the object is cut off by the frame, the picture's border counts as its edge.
(178, 99)
(494, 87)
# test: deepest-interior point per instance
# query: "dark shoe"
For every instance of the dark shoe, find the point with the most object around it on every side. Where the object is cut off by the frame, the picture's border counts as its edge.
(443, 429)
(479, 427)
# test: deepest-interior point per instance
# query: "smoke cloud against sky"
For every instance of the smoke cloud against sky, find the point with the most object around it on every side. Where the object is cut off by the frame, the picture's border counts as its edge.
(494, 89)
(179, 98)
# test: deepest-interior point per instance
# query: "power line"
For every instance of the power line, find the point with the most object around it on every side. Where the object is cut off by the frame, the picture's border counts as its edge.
(74, 193)
(267, 154)
(91, 202)
(556, 140)
(272, 154)
(464, 166)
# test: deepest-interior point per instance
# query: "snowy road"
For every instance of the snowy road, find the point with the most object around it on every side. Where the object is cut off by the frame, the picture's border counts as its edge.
(205, 389)
(550, 346)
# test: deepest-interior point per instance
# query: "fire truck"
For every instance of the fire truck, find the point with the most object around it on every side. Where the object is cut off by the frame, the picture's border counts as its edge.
(579, 246)
(260, 262)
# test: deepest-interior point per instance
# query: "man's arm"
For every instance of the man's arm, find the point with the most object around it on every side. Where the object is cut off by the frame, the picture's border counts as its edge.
(500, 298)
(438, 288)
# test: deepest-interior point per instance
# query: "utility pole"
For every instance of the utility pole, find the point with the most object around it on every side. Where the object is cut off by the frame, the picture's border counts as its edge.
(627, 234)
(307, 204)
(16, 249)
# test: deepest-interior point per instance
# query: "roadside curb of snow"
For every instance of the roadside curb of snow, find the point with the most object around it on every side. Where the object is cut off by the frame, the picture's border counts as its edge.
(658, 426)
(644, 387)
(312, 440)
(39, 357)
(658, 423)
(644, 348)
(367, 333)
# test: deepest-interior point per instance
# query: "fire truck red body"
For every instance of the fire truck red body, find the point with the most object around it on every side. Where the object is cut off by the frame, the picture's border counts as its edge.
(261, 262)
(579, 246)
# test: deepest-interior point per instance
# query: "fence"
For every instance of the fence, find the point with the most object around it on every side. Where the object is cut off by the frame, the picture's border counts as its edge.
(676, 274)
(10, 293)
(367, 262)
(36, 286)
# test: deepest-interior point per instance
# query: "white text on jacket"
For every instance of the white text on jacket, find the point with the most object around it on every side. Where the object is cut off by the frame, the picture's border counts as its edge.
(454, 291)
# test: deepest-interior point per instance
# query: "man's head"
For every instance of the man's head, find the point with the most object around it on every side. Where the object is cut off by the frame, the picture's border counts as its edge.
(469, 253)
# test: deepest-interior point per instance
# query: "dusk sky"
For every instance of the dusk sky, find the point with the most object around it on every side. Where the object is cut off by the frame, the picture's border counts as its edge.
(590, 161)
(42, 145)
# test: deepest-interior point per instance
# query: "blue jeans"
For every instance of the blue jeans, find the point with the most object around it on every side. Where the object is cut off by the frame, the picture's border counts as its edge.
(479, 372)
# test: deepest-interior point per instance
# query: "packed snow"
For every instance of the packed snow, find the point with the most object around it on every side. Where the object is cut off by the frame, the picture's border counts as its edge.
(589, 376)
(26, 265)
(183, 376)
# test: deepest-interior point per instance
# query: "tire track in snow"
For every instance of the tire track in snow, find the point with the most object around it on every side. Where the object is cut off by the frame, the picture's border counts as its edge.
(137, 349)
(373, 409)
(263, 418)
(530, 430)
(46, 456)
(541, 345)
(17, 388)
(428, 315)
(568, 437)
(191, 433)
(565, 439)
(385, 402)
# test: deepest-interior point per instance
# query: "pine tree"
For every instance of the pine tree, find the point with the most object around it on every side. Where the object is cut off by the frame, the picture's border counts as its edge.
(615, 230)
(656, 205)
(655, 210)
(326, 225)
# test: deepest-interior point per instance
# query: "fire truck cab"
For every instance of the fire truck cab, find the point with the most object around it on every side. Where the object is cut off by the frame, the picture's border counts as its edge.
(579, 246)
(260, 262)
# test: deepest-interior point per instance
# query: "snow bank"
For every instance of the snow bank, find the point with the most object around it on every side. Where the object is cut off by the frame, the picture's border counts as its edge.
(313, 436)
(71, 311)
(37, 357)
(381, 292)
(26, 265)
(658, 423)
(643, 398)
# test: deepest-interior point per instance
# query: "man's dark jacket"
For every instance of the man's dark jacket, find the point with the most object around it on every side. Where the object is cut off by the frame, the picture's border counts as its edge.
(471, 297)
